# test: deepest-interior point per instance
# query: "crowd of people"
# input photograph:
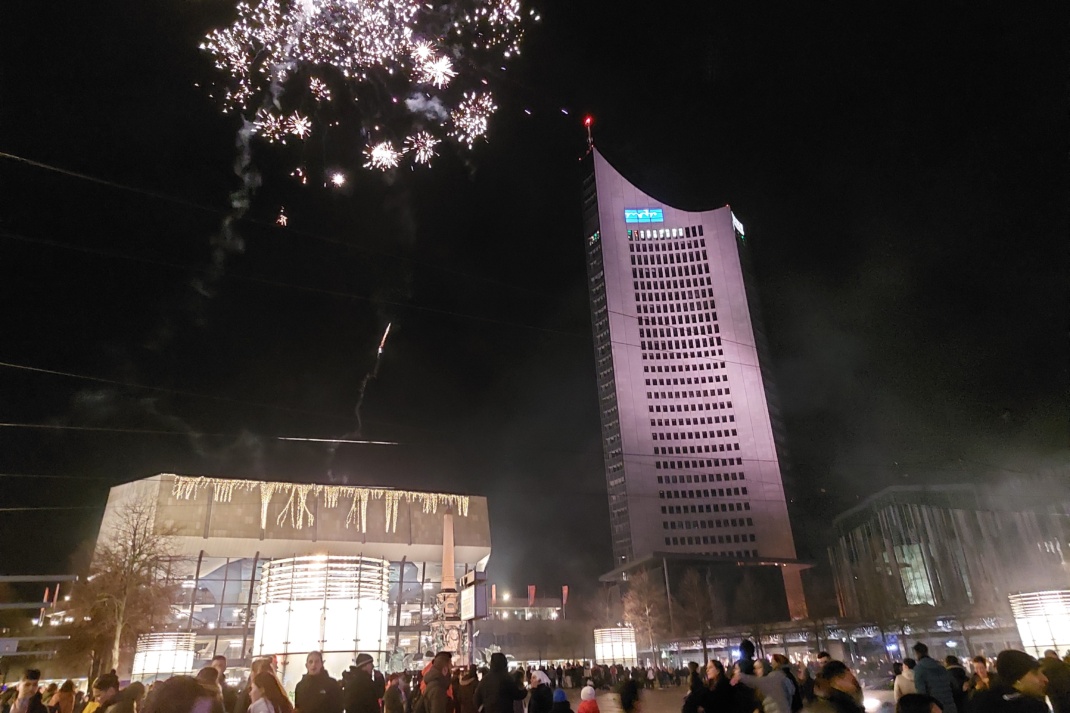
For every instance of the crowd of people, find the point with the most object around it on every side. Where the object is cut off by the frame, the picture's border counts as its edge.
(1014, 683)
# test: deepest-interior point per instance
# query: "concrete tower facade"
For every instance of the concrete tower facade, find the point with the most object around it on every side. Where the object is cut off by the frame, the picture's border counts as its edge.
(692, 464)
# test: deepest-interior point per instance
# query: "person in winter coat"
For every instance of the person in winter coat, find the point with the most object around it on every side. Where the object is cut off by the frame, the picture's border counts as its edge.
(776, 687)
(1021, 686)
(317, 692)
(542, 698)
(904, 679)
(464, 691)
(561, 704)
(112, 700)
(932, 679)
(842, 687)
(982, 679)
(1058, 674)
(746, 659)
(719, 696)
(28, 698)
(360, 693)
(696, 689)
(959, 681)
(497, 691)
(588, 700)
(435, 697)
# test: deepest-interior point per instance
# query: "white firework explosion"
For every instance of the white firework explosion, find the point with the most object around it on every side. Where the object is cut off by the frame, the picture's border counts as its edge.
(281, 55)
(422, 147)
(382, 156)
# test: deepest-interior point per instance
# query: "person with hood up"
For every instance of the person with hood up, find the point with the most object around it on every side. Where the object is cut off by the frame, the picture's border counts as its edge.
(904, 679)
(317, 692)
(497, 691)
(435, 697)
(561, 704)
(361, 694)
(1020, 688)
(932, 679)
(542, 697)
(588, 700)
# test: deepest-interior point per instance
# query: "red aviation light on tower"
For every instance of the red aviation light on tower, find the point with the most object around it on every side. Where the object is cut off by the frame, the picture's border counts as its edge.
(588, 120)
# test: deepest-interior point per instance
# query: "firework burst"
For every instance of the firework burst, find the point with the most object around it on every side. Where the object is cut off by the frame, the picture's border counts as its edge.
(422, 147)
(290, 65)
(382, 156)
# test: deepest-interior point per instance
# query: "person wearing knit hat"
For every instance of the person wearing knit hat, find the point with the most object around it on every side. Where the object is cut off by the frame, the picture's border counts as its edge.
(1021, 687)
(588, 700)
(561, 704)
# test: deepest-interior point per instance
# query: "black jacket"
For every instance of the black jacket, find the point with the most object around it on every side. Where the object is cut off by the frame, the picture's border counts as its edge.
(318, 694)
(1058, 675)
(1002, 699)
(541, 701)
(361, 692)
(123, 702)
(230, 697)
(498, 690)
(844, 703)
(393, 702)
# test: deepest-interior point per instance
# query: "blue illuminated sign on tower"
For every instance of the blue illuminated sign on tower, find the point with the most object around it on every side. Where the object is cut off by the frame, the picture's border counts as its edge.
(644, 215)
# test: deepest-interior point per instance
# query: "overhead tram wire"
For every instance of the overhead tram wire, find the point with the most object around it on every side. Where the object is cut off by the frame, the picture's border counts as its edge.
(301, 288)
(165, 390)
(186, 203)
(186, 434)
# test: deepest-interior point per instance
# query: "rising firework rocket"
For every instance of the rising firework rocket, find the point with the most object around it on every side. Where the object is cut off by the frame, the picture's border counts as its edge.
(382, 342)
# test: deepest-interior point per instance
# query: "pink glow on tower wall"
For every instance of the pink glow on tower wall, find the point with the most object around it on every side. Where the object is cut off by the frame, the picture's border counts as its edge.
(691, 461)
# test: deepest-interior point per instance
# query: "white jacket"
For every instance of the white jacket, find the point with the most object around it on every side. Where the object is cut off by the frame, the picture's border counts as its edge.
(904, 683)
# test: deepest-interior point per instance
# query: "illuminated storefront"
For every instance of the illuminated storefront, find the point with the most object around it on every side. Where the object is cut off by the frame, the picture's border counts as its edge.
(1043, 620)
(160, 656)
(615, 645)
(335, 605)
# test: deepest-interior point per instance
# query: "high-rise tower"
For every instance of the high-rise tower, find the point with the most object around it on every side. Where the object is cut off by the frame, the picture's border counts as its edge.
(692, 466)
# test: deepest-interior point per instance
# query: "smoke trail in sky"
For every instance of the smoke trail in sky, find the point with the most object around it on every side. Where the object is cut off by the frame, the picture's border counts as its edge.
(359, 432)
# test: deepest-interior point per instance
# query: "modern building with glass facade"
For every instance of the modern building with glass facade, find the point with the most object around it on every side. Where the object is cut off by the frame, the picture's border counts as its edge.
(955, 557)
(689, 415)
(279, 568)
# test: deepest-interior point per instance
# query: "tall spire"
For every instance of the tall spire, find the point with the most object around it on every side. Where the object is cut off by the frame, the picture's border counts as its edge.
(449, 575)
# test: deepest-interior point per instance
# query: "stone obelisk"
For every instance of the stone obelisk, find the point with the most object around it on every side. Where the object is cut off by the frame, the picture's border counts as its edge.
(447, 629)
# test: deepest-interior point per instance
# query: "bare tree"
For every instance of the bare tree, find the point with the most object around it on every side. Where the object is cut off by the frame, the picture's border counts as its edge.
(646, 608)
(125, 592)
(698, 614)
(751, 608)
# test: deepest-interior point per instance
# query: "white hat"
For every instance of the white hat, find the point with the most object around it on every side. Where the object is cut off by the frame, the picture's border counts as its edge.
(538, 677)
(588, 693)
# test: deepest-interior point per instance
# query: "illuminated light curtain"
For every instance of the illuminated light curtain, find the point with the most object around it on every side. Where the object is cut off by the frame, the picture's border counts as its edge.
(296, 509)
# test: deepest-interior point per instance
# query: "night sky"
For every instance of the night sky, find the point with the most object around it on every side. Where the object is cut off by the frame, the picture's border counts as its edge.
(901, 170)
